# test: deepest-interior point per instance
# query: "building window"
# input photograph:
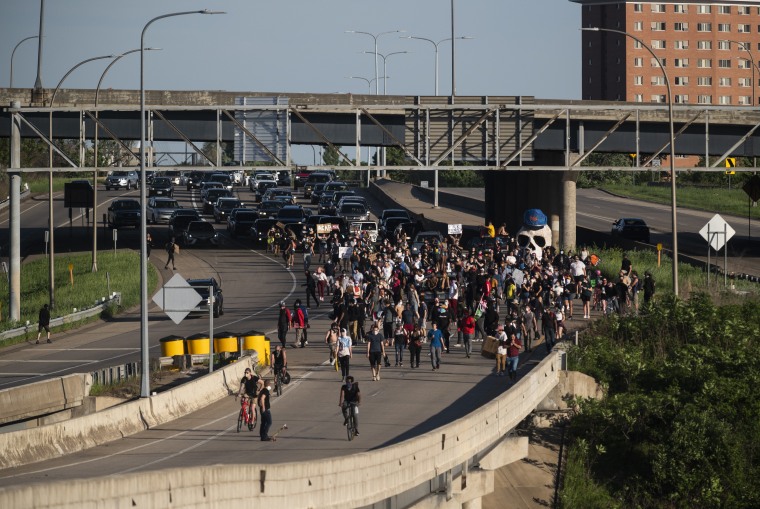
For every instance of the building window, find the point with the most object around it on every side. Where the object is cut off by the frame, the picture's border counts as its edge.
(704, 27)
(653, 62)
(638, 26)
(724, 82)
(724, 63)
(704, 45)
(744, 82)
(659, 98)
(704, 9)
(724, 45)
(744, 100)
(704, 99)
(638, 62)
(658, 7)
(637, 44)
(704, 63)
(724, 9)
(743, 10)
(704, 81)
(638, 98)
(743, 29)
(680, 8)
(724, 27)
(681, 44)
(657, 44)
(681, 27)
(681, 62)
(682, 81)
(658, 26)
(681, 98)
(638, 7)
(724, 99)
(743, 64)
(638, 80)
(658, 80)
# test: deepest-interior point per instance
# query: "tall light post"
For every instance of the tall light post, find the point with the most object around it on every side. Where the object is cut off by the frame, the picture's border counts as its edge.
(385, 66)
(51, 225)
(145, 382)
(375, 37)
(673, 206)
(13, 53)
(435, 45)
(745, 47)
(453, 57)
(95, 159)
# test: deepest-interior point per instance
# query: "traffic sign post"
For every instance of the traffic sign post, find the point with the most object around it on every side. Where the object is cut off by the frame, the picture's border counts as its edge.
(717, 232)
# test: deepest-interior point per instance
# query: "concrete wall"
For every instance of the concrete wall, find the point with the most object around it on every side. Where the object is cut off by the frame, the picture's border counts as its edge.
(45, 397)
(333, 482)
(53, 440)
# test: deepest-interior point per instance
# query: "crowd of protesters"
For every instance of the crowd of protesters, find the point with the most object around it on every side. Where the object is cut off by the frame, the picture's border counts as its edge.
(443, 294)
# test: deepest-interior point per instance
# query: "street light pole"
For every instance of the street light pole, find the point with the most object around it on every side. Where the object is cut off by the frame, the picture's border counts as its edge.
(435, 45)
(13, 53)
(385, 66)
(453, 58)
(375, 37)
(145, 383)
(673, 205)
(95, 159)
(745, 47)
(51, 225)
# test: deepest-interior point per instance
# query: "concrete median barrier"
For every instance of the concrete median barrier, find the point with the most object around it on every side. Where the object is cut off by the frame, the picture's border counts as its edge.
(44, 397)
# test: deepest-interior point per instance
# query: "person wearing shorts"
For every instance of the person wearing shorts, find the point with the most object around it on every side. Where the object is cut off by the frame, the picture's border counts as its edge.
(44, 323)
(375, 351)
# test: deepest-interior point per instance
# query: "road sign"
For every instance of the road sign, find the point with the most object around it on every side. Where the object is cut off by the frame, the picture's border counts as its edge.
(659, 246)
(752, 188)
(717, 232)
(177, 298)
(730, 162)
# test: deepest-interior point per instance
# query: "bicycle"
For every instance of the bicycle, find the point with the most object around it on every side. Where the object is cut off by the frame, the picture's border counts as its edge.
(351, 424)
(278, 381)
(248, 415)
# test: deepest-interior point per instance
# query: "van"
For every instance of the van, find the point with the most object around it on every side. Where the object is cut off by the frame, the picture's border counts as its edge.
(365, 228)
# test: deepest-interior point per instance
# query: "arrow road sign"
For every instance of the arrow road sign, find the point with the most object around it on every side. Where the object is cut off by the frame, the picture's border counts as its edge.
(713, 232)
(177, 298)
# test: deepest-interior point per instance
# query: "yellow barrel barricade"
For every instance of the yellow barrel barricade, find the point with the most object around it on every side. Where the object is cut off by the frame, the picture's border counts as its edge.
(226, 342)
(172, 345)
(267, 351)
(197, 344)
(254, 340)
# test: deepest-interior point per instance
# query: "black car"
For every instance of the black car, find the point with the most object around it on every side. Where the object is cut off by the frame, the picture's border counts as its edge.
(316, 193)
(262, 187)
(161, 186)
(179, 220)
(326, 205)
(292, 214)
(631, 228)
(390, 226)
(317, 177)
(124, 213)
(202, 287)
(260, 228)
(209, 200)
(224, 206)
(269, 208)
(199, 233)
(194, 179)
(240, 221)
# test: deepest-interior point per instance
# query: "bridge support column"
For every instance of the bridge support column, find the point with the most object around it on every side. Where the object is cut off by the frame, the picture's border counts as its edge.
(569, 210)
(14, 257)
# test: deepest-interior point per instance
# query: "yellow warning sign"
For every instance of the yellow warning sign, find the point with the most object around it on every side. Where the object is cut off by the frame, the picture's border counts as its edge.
(730, 162)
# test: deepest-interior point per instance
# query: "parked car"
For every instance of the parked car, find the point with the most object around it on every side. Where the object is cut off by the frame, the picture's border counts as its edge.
(388, 213)
(351, 211)
(259, 176)
(174, 175)
(392, 225)
(224, 206)
(193, 180)
(199, 233)
(202, 287)
(336, 185)
(240, 221)
(260, 228)
(262, 186)
(269, 208)
(300, 177)
(122, 179)
(631, 228)
(160, 209)
(223, 179)
(292, 214)
(317, 177)
(367, 229)
(316, 193)
(161, 186)
(209, 199)
(326, 205)
(431, 237)
(179, 220)
(273, 193)
(124, 213)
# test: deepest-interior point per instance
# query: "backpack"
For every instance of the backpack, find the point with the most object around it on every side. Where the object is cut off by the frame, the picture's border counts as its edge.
(388, 315)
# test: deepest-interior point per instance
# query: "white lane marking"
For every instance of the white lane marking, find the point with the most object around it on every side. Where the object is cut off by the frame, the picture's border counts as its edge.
(21, 374)
(40, 361)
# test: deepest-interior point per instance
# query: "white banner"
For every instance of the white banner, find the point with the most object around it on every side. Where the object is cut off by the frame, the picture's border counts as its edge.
(455, 229)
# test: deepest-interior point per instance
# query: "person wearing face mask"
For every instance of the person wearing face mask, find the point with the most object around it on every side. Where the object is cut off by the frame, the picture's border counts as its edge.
(375, 350)
(264, 411)
(350, 397)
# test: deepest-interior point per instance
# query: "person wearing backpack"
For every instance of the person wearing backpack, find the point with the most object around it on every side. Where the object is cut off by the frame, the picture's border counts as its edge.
(171, 248)
(648, 287)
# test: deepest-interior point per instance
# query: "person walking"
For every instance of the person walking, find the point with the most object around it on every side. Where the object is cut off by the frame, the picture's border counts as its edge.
(400, 340)
(331, 339)
(345, 349)
(44, 323)
(550, 328)
(171, 249)
(375, 351)
(435, 337)
(529, 327)
(265, 412)
(468, 331)
(311, 289)
(299, 321)
(283, 324)
(148, 244)
(415, 346)
(648, 287)
(501, 352)
(513, 356)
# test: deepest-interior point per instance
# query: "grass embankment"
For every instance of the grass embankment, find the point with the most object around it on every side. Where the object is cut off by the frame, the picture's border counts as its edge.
(122, 268)
(711, 199)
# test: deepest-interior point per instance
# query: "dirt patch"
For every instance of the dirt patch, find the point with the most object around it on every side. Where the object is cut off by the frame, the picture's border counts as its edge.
(160, 381)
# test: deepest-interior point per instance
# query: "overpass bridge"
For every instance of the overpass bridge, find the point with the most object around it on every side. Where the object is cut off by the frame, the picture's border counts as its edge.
(521, 142)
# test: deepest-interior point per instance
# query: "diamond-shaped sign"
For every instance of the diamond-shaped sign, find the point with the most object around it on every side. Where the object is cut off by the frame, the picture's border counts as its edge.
(752, 188)
(717, 232)
(177, 298)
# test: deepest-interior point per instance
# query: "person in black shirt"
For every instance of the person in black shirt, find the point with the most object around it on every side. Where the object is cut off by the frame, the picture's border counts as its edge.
(44, 323)
(266, 414)
(349, 393)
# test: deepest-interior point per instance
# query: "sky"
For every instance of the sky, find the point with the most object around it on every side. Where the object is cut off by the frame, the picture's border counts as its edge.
(517, 47)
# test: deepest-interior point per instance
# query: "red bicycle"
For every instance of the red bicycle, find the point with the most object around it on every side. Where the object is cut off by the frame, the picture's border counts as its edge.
(248, 415)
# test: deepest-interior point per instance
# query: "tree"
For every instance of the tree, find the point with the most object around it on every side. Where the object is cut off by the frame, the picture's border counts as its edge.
(331, 157)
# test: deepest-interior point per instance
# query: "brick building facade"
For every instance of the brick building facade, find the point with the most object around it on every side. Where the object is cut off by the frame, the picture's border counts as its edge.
(710, 51)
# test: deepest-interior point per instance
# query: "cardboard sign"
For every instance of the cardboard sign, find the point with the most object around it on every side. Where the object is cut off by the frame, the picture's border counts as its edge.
(345, 252)
(324, 228)
(455, 229)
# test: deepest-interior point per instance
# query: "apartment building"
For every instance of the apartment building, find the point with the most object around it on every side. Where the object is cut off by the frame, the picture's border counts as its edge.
(710, 51)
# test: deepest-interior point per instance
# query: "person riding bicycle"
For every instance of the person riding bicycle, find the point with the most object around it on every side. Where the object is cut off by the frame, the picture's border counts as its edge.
(279, 361)
(250, 385)
(349, 394)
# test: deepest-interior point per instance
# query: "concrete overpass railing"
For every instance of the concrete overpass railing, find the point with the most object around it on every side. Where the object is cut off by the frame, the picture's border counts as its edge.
(44, 397)
(451, 466)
